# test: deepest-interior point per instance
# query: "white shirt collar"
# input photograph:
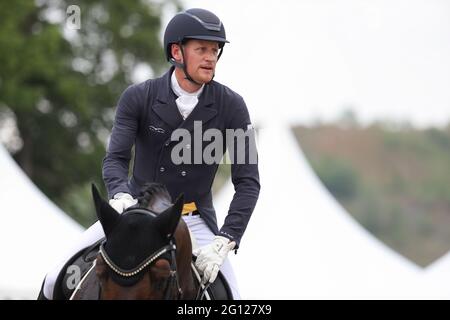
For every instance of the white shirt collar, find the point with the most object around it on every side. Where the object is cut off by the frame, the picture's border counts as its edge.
(186, 101)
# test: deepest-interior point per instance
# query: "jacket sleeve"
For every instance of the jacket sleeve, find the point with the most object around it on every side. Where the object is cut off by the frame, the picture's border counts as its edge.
(244, 172)
(116, 162)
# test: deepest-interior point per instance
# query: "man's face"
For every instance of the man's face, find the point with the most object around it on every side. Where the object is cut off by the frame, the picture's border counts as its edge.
(201, 58)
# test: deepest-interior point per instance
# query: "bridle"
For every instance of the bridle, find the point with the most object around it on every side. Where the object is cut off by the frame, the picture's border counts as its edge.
(173, 281)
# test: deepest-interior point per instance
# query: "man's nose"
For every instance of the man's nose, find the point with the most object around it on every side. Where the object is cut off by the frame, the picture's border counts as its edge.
(211, 56)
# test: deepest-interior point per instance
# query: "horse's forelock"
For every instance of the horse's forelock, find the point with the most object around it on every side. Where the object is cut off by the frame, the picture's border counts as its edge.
(155, 197)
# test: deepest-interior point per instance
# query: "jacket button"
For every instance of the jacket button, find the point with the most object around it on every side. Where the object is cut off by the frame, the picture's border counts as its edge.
(183, 173)
(162, 169)
(167, 143)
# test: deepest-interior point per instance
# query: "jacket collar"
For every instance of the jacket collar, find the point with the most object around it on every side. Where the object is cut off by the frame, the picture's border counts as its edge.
(166, 107)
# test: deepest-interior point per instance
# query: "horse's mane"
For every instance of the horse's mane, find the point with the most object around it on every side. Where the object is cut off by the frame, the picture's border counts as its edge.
(155, 196)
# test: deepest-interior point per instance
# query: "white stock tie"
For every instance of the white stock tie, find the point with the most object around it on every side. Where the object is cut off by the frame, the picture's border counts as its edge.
(186, 101)
(186, 104)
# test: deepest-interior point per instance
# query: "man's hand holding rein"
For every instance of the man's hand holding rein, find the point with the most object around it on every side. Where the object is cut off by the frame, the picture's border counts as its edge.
(212, 256)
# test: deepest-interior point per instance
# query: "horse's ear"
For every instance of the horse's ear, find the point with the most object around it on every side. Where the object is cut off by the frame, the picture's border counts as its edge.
(107, 215)
(168, 219)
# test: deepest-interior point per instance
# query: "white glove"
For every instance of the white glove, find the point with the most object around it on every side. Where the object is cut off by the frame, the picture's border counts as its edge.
(212, 256)
(122, 201)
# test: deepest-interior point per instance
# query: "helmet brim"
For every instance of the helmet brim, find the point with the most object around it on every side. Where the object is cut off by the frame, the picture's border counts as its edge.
(208, 38)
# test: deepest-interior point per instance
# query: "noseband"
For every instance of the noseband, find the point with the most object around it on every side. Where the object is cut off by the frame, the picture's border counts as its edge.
(171, 247)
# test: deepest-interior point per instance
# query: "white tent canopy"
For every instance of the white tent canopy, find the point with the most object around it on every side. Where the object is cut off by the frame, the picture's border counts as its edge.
(301, 244)
(34, 232)
(299, 61)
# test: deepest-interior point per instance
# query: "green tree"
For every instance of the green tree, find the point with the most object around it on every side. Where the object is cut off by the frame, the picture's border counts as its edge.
(339, 177)
(59, 86)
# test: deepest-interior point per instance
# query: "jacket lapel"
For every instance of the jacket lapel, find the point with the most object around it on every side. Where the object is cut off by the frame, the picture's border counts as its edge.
(169, 113)
(166, 108)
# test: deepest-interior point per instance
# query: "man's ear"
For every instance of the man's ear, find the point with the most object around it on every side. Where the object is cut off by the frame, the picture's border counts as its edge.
(176, 52)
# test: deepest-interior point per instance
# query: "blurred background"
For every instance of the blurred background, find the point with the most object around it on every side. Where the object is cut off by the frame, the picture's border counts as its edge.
(362, 85)
(59, 87)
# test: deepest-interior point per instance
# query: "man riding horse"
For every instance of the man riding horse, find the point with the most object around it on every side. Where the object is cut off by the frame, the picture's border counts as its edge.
(184, 99)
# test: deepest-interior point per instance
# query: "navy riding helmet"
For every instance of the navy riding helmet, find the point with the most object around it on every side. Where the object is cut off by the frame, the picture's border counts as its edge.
(194, 23)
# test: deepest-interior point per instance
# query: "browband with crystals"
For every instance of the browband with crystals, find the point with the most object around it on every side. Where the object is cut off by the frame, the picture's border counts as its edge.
(140, 267)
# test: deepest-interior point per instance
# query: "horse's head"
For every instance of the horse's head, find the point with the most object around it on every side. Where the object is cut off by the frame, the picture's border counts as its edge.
(137, 260)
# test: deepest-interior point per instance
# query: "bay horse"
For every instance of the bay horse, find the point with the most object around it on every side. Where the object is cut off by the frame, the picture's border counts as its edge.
(146, 254)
